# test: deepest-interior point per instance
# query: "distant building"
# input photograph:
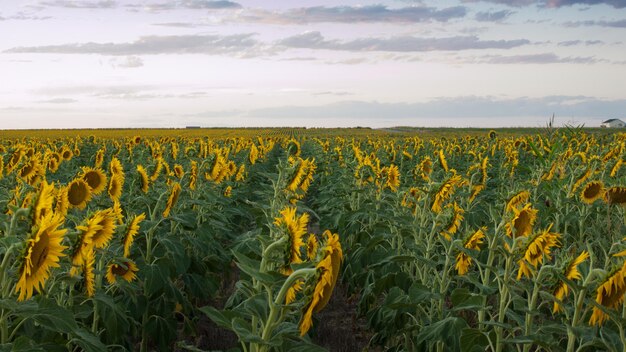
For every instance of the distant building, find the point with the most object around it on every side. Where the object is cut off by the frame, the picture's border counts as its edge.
(612, 123)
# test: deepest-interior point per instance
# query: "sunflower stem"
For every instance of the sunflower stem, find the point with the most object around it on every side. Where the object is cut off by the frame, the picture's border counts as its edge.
(276, 307)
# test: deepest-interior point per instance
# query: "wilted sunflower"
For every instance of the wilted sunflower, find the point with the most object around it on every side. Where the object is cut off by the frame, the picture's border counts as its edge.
(615, 169)
(171, 200)
(455, 221)
(517, 200)
(327, 274)
(126, 269)
(522, 222)
(463, 261)
(116, 183)
(178, 171)
(610, 294)
(582, 178)
(537, 248)
(615, 195)
(42, 252)
(592, 191)
(571, 273)
(296, 228)
(78, 193)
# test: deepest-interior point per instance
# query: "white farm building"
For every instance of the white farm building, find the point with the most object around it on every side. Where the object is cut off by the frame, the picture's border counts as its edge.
(613, 123)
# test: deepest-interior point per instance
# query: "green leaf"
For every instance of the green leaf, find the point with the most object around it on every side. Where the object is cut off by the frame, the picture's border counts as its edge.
(463, 299)
(473, 340)
(447, 330)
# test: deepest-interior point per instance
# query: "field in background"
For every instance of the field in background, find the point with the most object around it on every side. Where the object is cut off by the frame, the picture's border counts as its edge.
(310, 239)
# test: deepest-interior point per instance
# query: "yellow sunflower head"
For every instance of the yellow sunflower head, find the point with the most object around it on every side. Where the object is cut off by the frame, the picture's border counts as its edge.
(106, 219)
(42, 253)
(95, 178)
(295, 228)
(125, 269)
(592, 191)
(116, 183)
(172, 199)
(78, 193)
(610, 294)
(178, 171)
(131, 232)
(43, 202)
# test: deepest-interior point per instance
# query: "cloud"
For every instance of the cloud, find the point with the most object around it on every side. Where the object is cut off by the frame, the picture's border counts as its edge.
(243, 44)
(603, 23)
(59, 101)
(493, 16)
(352, 14)
(580, 42)
(186, 4)
(315, 40)
(453, 107)
(555, 3)
(68, 4)
(546, 58)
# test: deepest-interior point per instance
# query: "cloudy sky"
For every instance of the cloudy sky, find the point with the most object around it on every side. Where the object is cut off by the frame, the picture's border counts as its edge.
(311, 63)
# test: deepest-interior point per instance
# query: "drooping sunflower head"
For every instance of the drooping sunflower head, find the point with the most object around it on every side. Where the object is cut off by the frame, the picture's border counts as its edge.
(442, 160)
(537, 247)
(143, 178)
(311, 247)
(131, 232)
(95, 178)
(42, 253)
(125, 269)
(178, 171)
(610, 293)
(327, 275)
(172, 199)
(116, 167)
(615, 195)
(78, 193)
(523, 222)
(89, 276)
(592, 191)
(517, 201)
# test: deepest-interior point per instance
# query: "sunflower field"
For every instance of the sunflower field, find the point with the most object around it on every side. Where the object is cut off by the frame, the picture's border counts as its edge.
(272, 240)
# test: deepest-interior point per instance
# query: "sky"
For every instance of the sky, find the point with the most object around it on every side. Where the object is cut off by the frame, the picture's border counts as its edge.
(318, 63)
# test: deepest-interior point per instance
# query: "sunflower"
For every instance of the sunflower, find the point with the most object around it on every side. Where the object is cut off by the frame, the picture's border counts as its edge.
(241, 173)
(615, 195)
(492, 134)
(30, 170)
(327, 274)
(522, 222)
(476, 189)
(131, 231)
(95, 178)
(171, 200)
(62, 201)
(592, 191)
(43, 202)
(582, 179)
(85, 239)
(426, 167)
(615, 169)
(463, 261)
(99, 158)
(143, 176)
(254, 154)
(444, 192)
(293, 290)
(296, 228)
(300, 171)
(571, 273)
(115, 166)
(106, 219)
(308, 178)
(610, 294)
(43, 251)
(393, 177)
(53, 165)
(88, 267)
(537, 248)
(66, 153)
(455, 221)
(484, 165)
(517, 200)
(127, 270)
(178, 171)
(228, 191)
(193, 176)
(442, 160)
(78, 193)
(311, 247)
(116, 183)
